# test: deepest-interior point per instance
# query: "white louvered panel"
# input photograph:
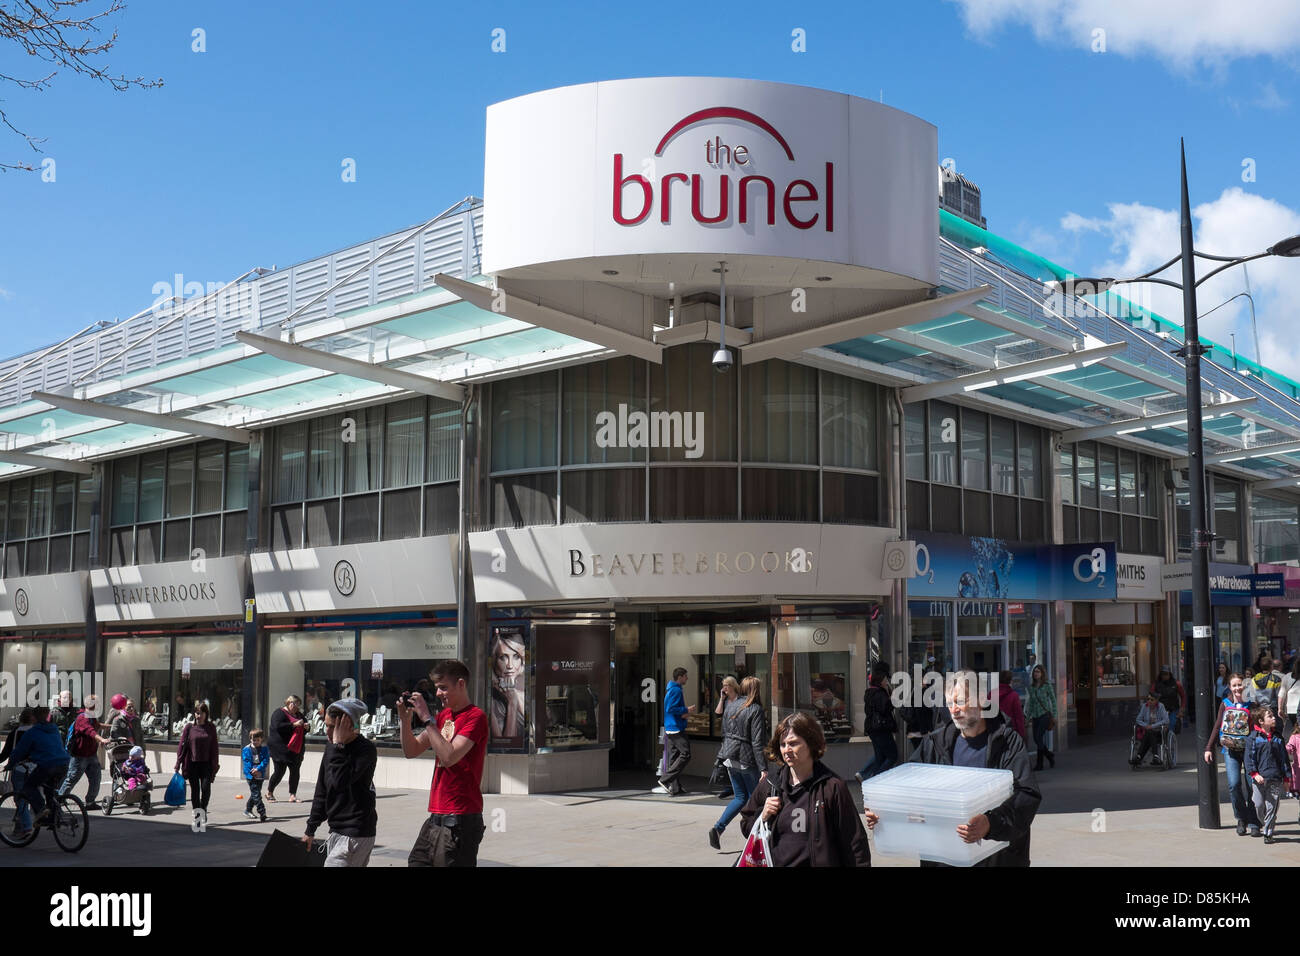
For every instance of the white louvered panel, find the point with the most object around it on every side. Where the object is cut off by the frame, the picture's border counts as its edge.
(272, 299)
(9, 393)
(110, 343)
(31, 381)
(357, 293)
(201, 333)
(309, 280)
(140, 355)
(442, 253)
(396, 274)
(169, 344)
(56, 369)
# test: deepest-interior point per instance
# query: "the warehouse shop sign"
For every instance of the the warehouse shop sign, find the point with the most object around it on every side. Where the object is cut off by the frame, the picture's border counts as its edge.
(635, 563)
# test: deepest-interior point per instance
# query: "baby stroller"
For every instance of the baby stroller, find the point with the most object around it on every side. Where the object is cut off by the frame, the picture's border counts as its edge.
(1163, 753)
(120, 793)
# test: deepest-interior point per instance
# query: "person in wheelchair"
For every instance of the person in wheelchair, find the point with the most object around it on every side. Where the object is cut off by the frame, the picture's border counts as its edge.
(1153, 722)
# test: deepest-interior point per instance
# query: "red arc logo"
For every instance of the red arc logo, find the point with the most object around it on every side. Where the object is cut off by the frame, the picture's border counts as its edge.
(724, 112)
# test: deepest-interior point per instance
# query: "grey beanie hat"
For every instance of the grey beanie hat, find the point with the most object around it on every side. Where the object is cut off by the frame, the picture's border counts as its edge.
(354, 708)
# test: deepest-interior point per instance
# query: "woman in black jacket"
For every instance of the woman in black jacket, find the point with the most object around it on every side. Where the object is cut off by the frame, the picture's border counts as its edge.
(812, 817)
(879, 723)
(744, 736)
(286, 743)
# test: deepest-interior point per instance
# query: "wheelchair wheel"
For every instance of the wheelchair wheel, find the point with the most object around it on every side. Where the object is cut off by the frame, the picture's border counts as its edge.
(1171, 751)
(1133, 750)
(10, 825)
(73, 825)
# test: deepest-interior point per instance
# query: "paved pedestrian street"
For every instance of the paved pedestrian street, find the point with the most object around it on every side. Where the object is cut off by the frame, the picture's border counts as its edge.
(1095, 812)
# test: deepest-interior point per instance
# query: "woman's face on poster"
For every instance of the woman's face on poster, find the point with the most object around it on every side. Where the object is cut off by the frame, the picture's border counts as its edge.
(508, 660)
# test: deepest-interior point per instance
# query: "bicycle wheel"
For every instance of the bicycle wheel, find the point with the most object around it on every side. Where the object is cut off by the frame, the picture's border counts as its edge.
(73, 825)
(10, 825)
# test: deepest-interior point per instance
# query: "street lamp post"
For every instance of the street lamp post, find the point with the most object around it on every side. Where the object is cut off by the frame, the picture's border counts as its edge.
(1191, 352)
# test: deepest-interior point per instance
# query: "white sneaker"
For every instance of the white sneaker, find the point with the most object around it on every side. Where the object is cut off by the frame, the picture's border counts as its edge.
(661, 789)
(196, 826)
(249, 813)
(203, 821)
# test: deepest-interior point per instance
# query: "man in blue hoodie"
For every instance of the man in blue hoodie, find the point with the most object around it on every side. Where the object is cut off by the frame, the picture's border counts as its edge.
(676, 742)
(42, 746)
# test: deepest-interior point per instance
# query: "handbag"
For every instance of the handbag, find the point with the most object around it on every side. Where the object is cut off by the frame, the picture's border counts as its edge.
(758, 850)
(297, 738)
(719, 777)
(175, 795)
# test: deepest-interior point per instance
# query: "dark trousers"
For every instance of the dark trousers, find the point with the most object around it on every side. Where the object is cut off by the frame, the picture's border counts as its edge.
(1150, 739)
(1041, 725)
(255, 803)
(679, 755)
(199, 776)
(293, 766)
(455, 845)
(885, 750)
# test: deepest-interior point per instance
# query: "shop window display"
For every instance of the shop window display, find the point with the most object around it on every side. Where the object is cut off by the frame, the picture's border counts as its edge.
(394, 661)
(318, 666)
(821, 670)
(216, 677)
(1026, 642)
(754, 660)
(573, 685)
(689, 647)
(140, 667)
(508, 659)
(15, 654)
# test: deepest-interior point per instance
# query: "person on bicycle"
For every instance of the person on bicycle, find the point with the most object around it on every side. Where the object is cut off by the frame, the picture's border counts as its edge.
(42, 746)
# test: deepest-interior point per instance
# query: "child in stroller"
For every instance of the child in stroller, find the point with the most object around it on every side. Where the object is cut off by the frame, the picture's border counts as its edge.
(130, 774)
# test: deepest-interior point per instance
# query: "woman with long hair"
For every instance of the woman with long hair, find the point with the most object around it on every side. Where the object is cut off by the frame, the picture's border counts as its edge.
(1221, 681)
(1232, 731)
(744, 735)
(197, 758)
(813, 820)
(506, 711)
(1040, 709)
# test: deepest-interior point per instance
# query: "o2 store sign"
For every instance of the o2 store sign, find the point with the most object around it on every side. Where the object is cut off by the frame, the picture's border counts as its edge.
(739, 187)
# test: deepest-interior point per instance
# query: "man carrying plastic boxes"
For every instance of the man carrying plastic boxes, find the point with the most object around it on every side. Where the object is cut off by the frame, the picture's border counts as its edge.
(973, 740)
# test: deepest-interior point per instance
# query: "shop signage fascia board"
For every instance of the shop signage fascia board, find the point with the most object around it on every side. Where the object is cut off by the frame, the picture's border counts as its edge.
(403, 575)
(44, 600)
(1138, 577)
(211, 589)
(1290, 585)
(711, 561)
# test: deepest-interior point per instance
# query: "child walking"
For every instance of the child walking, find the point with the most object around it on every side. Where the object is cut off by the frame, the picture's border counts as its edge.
(257, 760)
(1267, 764)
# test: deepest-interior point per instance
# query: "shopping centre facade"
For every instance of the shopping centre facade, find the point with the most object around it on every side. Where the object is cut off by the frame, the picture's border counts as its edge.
(505, 435)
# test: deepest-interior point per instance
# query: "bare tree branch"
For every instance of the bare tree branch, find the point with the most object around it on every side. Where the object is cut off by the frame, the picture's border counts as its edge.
(66, 37)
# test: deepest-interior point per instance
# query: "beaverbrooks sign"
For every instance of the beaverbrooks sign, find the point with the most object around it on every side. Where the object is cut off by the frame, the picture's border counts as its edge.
(155, 594)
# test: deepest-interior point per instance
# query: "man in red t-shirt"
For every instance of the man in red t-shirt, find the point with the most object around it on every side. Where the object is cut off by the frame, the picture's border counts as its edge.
(458, 738)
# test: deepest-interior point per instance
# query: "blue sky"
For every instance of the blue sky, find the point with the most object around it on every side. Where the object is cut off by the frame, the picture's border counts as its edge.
(236, 161)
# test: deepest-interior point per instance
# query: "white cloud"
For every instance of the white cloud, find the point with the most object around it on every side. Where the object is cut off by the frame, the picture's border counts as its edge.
(6, 294)
(1237, 223)
(1270, 98)
(1180, 32)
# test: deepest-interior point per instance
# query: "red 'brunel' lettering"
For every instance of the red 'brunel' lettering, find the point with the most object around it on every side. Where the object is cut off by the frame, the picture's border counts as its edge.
(635, 197)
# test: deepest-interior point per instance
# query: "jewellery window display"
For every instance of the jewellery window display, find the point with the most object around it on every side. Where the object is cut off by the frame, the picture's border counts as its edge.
(739, 651)
(394, 661)
(13, 655)
(689, 647)
(819, 665)
(318, 666)
(141, 667)
(573, 683)
(216, 677)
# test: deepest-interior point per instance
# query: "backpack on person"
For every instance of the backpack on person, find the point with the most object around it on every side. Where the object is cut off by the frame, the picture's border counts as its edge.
(1235, 729)
(81, 743)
